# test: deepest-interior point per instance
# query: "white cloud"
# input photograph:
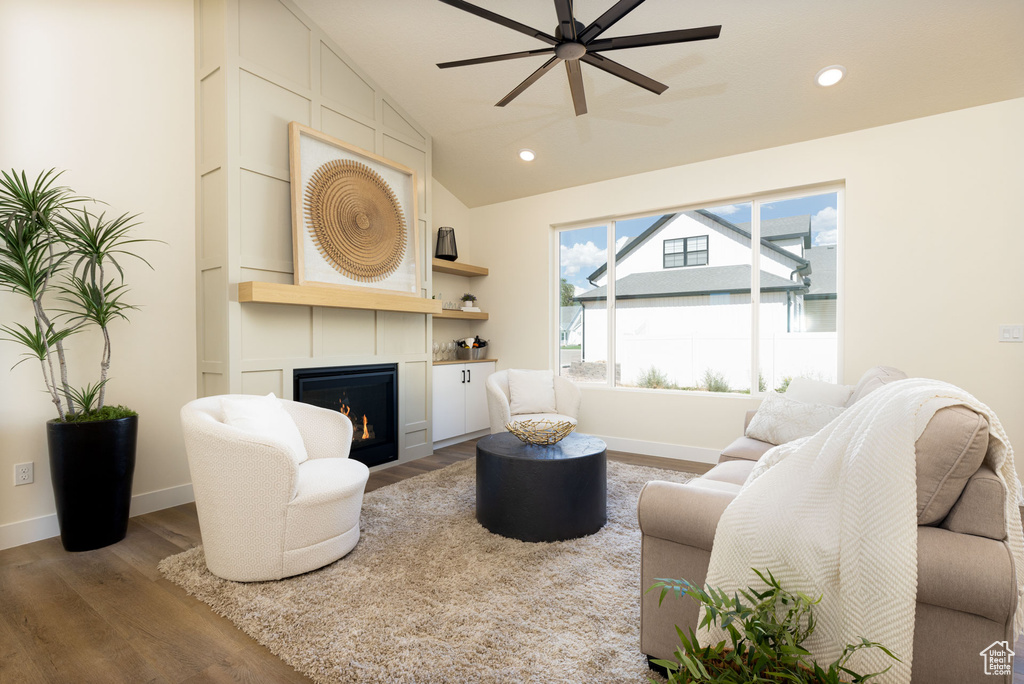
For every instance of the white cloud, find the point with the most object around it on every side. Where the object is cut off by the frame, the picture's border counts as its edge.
(620, 243)
(824, 226)
(579, 290)
(724, 210)
(584, 256)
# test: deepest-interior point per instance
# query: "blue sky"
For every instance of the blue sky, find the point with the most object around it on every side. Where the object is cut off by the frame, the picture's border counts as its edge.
(583, 250)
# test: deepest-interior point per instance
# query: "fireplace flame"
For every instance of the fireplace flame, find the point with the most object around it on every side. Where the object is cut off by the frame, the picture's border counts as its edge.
(345, 408)
(366, 432)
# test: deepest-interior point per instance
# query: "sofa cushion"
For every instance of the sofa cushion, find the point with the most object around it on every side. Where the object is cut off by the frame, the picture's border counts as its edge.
(531, 391)
(874, 378)
(682, 513)
(965, 573)
(818, 392)
(779, 420)
(979, 510)
(265, 417)
(733, 472)
(745, 448)
(949, 452)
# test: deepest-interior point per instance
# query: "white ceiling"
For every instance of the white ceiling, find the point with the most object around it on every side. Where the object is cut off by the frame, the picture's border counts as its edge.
(750, 89)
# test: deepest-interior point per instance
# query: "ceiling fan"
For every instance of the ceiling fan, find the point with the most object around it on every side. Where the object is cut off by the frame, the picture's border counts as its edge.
(573, 43)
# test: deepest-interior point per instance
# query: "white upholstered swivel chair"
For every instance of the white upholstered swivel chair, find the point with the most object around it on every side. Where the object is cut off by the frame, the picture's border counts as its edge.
(500, 404)
(266, 512)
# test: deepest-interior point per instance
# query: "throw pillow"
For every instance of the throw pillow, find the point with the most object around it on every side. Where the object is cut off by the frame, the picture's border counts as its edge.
(531, 391)
(779, 419)
(874, 378)
(265, 417)
(818, 392)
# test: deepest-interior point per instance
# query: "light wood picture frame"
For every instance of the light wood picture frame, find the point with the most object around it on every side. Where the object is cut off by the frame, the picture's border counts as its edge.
(347, 207)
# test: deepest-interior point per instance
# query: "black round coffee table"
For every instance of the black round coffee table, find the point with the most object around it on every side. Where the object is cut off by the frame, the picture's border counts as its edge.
(541, 493)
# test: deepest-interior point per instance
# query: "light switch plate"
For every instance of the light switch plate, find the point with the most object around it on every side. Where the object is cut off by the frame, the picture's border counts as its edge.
(1011, 333)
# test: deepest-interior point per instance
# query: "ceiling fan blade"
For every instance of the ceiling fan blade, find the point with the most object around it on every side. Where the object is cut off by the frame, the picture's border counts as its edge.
(566, 24)
(496, 58)
(624, 73)
(605, 21)
(530, 80)
(660, 38)
(579, 98)
(504, 21)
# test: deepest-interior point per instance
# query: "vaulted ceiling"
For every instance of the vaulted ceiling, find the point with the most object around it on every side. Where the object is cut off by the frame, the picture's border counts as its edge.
(750, 89)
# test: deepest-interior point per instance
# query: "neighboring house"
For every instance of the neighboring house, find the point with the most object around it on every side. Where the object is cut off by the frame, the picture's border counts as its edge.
(570, 326)
(683, 299)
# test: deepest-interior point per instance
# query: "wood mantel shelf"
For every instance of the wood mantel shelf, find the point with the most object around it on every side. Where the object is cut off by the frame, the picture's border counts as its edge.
(463, 315)
(312, 295)
(455, 268)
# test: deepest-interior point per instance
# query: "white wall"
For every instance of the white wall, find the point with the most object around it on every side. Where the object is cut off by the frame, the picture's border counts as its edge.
(450, 211)
(104, 89)
(917, 192)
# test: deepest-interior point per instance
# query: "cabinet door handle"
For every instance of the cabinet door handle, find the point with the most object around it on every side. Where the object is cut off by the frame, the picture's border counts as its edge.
(463, 377)
(469, 374)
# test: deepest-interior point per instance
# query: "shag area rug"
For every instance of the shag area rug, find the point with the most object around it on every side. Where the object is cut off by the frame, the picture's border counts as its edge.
(429, 595)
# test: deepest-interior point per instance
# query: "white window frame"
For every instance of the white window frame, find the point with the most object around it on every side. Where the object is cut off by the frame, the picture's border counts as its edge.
(756, 200)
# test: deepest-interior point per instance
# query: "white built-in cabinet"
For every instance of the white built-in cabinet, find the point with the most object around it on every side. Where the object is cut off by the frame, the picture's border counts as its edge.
(460, 398)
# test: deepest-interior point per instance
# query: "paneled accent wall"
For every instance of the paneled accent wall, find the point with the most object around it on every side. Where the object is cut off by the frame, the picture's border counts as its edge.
(259, 65)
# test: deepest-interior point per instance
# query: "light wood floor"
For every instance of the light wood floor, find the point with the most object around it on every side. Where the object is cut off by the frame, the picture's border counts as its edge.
(109, 616)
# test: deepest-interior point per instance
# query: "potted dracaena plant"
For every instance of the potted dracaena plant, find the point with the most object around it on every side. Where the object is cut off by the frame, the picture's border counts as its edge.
(66, 260)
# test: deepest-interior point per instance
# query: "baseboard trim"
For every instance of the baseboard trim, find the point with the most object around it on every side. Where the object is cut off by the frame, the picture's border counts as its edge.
(161, 499)
(679, 452)
(462, 438)
(36, 529)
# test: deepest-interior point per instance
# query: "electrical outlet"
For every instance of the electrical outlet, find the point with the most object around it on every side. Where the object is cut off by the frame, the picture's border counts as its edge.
(23, 474)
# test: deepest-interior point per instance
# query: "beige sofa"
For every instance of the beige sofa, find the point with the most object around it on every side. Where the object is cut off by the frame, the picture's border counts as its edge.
(966, 576)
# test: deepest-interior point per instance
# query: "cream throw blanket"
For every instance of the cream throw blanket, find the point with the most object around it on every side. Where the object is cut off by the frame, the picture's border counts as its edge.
(835, 515)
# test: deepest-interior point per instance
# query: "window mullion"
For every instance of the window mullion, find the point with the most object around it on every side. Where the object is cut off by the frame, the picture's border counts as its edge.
(610, 370)
(755, 295)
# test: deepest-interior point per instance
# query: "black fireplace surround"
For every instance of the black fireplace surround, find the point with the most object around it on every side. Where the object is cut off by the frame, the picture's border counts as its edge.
(368, 395)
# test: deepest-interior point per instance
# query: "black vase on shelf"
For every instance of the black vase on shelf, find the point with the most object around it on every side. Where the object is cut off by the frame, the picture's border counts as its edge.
(446, 248)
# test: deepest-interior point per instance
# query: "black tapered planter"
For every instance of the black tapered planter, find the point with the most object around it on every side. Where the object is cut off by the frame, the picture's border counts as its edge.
(91, 466)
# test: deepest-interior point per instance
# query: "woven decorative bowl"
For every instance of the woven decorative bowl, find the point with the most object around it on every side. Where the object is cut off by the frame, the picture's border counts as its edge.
(540, 431)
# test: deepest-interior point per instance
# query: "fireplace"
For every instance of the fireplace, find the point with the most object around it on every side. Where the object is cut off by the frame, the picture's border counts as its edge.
(367, 395)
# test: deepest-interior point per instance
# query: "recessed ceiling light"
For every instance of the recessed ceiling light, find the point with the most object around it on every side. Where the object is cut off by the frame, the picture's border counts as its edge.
(830, 75)
(527, 155)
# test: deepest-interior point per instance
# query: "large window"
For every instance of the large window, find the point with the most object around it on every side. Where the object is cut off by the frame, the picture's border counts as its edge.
(630, 316)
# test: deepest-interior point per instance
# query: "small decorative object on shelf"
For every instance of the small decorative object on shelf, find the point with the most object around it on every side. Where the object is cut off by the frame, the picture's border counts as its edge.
(540, 431)
(471, 349)
(446, 248)
(469, 302)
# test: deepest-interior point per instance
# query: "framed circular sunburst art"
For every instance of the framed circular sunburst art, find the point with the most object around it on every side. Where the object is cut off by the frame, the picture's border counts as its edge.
(354, 216)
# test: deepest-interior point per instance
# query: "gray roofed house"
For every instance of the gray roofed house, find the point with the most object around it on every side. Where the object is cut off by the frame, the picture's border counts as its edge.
(772, 230)
(570, 325)
(823, 272)
(784, 228)
(687, 282)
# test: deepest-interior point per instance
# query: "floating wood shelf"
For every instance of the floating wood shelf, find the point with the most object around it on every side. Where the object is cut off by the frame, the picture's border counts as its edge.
(455, 268)
(452, 363)
(312, 295)
(463, 315)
